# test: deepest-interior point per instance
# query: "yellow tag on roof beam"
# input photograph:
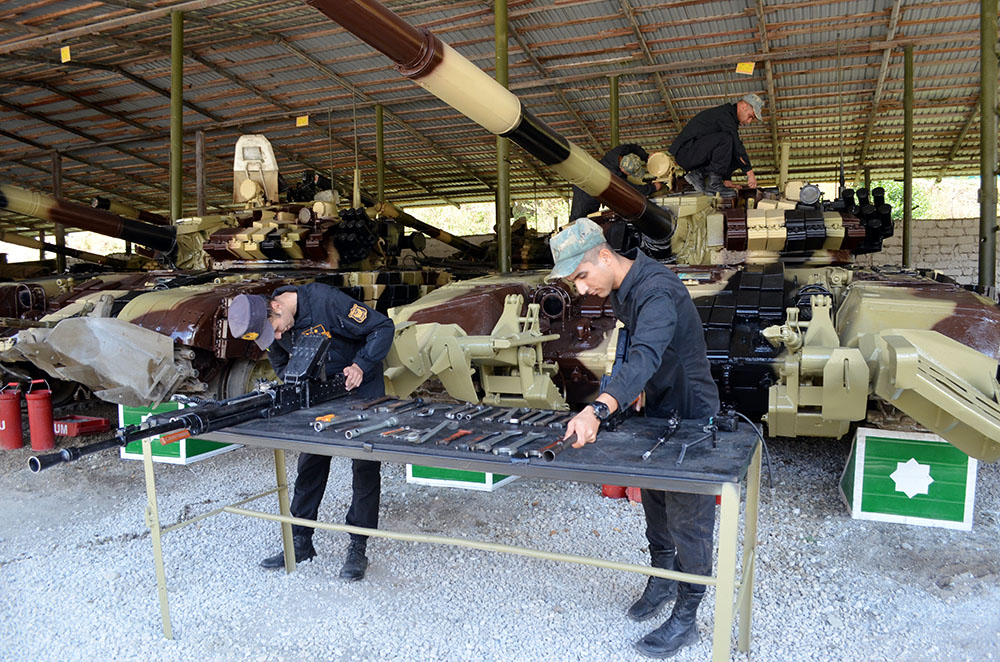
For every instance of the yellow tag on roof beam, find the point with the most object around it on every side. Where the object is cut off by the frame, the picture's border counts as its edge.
(64, 54)
(745, 68)
(302, 120)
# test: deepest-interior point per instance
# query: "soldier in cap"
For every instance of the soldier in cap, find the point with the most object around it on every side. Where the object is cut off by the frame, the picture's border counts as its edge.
(667, 359)
(624, 161)
(710, 149)
(361, 339)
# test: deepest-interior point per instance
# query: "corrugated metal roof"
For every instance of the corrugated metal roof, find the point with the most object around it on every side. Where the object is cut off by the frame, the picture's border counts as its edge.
(255, 66)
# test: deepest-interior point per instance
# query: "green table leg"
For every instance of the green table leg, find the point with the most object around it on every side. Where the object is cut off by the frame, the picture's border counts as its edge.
(726, 578)
(749, 551)
(153, 521)
(284, 509)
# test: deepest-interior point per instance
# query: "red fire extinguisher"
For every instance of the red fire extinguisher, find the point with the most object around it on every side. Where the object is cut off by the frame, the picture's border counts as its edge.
(10, 416)
(43, 437)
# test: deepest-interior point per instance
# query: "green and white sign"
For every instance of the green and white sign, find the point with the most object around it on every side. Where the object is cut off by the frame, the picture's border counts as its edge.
(910, 478)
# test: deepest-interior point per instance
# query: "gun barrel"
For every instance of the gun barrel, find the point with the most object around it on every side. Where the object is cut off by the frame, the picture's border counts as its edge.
(442, 71)
(27, 242)
(39, 462)
(464, 245)
(29, 203)
(128, 211)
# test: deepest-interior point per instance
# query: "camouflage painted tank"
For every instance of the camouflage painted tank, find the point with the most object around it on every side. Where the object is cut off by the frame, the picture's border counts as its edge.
(171, 322)
(797, 335)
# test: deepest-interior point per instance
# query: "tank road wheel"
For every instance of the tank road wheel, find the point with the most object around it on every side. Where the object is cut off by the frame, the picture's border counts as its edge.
(242, 375)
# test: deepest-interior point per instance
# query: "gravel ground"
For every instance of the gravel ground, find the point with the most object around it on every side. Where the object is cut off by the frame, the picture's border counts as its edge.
(78, 580)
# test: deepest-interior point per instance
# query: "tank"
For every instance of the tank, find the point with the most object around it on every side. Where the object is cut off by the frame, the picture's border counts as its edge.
(170, 321)
(797, 335)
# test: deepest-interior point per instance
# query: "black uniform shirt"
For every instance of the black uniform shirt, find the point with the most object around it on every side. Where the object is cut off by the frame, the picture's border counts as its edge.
(584, 204)
(360, 334)
(721, 119)
(667, 355)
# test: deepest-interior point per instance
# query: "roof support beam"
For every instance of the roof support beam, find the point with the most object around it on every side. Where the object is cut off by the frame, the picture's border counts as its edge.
(772, 97)
(880, 85)
(959, 139)
(102, 26)
(626, 6)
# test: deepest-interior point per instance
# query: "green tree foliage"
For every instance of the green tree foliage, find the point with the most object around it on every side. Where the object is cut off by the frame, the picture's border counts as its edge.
(894, 196)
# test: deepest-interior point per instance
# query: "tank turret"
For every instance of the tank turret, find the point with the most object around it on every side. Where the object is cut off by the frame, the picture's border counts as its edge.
(799, 336)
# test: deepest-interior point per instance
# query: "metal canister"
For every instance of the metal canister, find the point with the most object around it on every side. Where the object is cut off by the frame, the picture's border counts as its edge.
(10, 417)
(40, 426)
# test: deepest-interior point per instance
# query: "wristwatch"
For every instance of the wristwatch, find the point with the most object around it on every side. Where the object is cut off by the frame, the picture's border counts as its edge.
(601, 410)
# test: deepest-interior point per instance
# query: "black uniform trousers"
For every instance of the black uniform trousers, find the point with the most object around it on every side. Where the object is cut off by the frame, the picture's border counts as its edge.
(366, 487)
(715, 153)
(685, 522)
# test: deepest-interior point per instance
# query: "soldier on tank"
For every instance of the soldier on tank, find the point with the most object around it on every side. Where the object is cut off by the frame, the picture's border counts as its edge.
(361, 339)
(623, 161)
(710, 149)
(667, 359)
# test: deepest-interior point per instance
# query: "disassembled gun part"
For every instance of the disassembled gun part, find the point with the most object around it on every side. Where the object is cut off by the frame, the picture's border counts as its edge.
(672, 424)
(351, 434)
(711, 432)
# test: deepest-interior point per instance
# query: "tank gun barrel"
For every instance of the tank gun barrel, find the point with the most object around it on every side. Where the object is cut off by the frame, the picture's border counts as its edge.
(442, 71)
(387, 209)
(128, 211)
(27, 242)
(30, 203)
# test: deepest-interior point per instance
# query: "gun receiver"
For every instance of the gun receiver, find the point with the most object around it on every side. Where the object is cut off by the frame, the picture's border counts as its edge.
(305, 385)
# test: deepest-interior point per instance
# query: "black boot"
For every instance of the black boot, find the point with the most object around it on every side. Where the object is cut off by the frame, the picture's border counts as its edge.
(713, 185)
(356, 562)
(696, 178)
(304, 551)
(680, 630)
(658, 591)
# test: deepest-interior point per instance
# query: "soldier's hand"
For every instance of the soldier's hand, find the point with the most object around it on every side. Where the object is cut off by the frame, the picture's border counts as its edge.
(354, 375)
(584, 425)
(751, 180)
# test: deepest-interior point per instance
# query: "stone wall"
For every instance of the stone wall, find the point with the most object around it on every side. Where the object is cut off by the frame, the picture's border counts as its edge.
(950, 246)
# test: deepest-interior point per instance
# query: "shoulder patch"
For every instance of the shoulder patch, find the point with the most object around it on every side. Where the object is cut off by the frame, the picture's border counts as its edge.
(358, 313)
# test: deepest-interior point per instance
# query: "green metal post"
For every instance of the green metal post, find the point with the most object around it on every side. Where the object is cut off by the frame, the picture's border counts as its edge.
(988, 143)
(379, 152)
(60, 229)
(907, 155)
(503, 146)
(868, 178)
(614, 111)
(176, 115)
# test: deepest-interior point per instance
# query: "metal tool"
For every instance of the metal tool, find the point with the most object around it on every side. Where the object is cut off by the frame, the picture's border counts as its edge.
(711, 432)
(372, 403)
(510, 449)
(447, 440)
(389, 422)
(672, 424)
(516, 416)
(487, 445)
(467, 446)
(562, 420)
(548, 418)
(324, 422)
(548, 453)
(454, 414)
(410, 435)
(528, 419)
(434, 430)
(433, 409)
(392, 433)
(498, 415)
(400, 407)
(475, 414)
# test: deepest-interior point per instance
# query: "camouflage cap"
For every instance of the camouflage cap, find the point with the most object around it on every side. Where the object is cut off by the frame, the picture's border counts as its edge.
(248, 319)
(570, 245)
(631, 165)
(755, 102)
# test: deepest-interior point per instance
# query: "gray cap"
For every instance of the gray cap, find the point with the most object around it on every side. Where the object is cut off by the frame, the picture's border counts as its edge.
(570, 245)
(248, 319)
(755, 102)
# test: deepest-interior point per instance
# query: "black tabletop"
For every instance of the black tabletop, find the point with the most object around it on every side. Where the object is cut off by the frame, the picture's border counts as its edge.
(615, 458)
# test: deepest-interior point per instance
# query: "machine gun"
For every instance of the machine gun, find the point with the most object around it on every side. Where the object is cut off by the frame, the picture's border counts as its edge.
(305, 385)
